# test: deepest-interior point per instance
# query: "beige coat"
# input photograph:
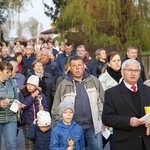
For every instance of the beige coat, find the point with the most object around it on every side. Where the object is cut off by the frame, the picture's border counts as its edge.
(67, 90)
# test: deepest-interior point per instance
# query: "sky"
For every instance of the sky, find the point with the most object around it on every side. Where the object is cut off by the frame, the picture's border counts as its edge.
(36, 11)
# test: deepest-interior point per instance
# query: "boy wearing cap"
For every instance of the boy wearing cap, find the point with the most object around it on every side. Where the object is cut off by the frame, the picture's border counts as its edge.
(67, 134)
(40, 133)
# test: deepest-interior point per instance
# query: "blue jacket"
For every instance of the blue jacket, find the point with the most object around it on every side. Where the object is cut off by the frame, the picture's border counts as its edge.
(60, 60)
(40, 139)
(52, 68)
(61, 133)
(49, 84)
(90, 66)
(31, 109)
(28, 62)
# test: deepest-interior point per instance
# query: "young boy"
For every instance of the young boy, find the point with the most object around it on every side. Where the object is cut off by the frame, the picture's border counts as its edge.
(40, 133)
(67, 135)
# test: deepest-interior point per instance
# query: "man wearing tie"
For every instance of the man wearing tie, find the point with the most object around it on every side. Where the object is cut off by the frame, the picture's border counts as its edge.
(124, 105)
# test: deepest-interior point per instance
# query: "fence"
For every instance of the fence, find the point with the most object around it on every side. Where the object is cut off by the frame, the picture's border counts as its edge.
(146, 62)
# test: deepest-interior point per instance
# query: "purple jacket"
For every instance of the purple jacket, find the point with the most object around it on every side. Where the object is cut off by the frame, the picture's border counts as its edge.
(31, 109)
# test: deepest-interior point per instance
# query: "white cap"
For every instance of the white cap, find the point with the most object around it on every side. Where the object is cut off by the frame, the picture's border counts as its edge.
(33, 79)
(44, 118)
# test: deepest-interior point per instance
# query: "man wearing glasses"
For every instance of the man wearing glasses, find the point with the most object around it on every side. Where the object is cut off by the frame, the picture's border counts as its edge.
(124, 105)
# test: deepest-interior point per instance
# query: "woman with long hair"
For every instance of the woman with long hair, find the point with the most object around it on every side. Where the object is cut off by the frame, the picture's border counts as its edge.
(21, 67)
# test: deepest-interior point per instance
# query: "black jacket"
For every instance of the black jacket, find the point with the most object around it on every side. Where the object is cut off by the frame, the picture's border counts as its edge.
(118, 109)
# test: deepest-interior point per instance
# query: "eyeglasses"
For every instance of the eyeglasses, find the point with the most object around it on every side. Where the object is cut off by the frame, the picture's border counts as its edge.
(38, 66)
(80, 50)
(131, 70)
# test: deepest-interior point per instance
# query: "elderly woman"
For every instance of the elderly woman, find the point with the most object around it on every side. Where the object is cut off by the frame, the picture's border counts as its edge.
(46, 81)
(8, 119)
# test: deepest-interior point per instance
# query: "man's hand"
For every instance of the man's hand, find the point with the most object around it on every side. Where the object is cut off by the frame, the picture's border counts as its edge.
(134, 122)
(104, 127)
(147, 124)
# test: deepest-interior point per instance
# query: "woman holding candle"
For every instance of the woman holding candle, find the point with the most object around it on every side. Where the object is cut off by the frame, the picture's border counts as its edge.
(8, 119)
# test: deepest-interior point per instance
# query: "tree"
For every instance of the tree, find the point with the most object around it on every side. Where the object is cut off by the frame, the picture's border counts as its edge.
(54, 12)
(105, 22)
(9, 7)
(32, 26)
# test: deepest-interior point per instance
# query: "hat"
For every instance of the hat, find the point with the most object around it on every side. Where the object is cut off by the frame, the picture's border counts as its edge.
(33, 79)
(64, 105)
(44, 118)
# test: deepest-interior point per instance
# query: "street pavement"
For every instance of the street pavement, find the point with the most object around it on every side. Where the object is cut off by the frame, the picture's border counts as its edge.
(21, 145)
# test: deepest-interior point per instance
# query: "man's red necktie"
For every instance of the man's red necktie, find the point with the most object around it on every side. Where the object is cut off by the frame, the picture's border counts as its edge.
(134, 88)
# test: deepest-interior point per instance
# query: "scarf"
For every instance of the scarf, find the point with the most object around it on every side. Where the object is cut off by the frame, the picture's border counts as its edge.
(116, 75)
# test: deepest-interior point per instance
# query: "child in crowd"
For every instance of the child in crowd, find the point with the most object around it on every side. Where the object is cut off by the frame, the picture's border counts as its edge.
(35, 101)
(40, 133)
(67, 135)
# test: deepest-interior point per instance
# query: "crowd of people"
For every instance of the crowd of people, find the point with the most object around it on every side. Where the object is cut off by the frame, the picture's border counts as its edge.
(67, 101)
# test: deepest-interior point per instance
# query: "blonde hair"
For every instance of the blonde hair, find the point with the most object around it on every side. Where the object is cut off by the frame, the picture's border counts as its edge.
(97, 52)
(147, 82)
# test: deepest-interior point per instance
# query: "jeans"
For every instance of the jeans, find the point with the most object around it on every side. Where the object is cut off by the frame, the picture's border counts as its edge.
(93, 141)
(9, 131)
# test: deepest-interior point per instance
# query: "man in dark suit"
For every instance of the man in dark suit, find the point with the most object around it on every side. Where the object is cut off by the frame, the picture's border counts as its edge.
(132, 53)
(124, 106)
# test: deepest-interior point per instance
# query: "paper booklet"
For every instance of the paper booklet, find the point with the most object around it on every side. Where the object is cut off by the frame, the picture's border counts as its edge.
(145, 118)
(106, 133)
(15, 105)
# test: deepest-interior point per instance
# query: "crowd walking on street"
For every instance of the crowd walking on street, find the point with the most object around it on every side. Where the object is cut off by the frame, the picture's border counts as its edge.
(62, 99)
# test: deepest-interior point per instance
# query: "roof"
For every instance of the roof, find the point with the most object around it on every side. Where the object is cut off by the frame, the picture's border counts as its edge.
(49, 31)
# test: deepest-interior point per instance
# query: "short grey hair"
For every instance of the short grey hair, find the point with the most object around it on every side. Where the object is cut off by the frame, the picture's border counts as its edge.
(48, 52)
(130, 62)
(131, 47)
(81, 46)
(30, 46)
